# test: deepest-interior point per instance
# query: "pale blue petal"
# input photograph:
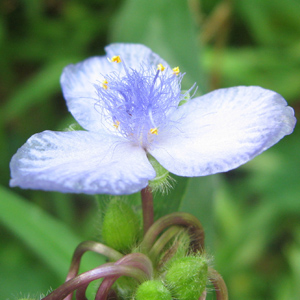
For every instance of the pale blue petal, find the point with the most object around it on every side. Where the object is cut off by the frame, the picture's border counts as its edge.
(80, 162)
(78, 81)
(222, 130)
(135, 55)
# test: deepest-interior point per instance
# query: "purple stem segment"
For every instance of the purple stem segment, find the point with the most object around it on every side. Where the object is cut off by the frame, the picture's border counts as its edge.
(89, 246)
(203, 296)
(105, 287)
(80, 293)
(106, 270)
(147, 206)
(219, 284)
(178, 218)
(137, 260)
(163, 240)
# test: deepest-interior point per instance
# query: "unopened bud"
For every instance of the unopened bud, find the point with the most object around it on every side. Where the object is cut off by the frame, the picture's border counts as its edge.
(153, 290)
(187, 277)
(120, 228)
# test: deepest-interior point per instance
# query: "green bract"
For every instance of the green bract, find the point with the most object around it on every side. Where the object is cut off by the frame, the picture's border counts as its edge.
(120, 229)
(162, 175)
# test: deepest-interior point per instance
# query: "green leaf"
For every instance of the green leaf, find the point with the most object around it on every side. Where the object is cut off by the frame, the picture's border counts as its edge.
(48, 238)
(271, 21)
(41, 86)
(198, 200)
(272, 68)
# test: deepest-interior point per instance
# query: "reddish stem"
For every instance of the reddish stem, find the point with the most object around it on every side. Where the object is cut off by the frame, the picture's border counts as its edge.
(137, 260)
(219, 284)
(163, 240)
(89, 246)
(80, 293)
(106, 270)
(203, 296)
(179, 218)
(147, 206)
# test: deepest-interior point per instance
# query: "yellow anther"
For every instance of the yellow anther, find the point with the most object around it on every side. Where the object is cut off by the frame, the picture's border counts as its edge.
(160, 67)
(176, 71)
(116, 59)
(104, 84)
(154, 130)
(116, 124)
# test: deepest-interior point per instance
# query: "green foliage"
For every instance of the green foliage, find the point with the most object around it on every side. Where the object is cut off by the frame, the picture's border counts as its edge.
(167, 27)
(250, 216)
(48, 239)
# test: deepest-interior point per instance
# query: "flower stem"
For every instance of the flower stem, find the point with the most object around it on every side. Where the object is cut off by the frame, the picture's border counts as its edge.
(80, 293)
(89, 246)
(219, 284)
(203, 296)
(179, 218)
(137, 260)
(163, 240)
(147, 206)
(82, 280)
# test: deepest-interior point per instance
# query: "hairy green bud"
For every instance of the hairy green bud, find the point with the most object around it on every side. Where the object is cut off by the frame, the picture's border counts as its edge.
(153, 290)
(187, 277)
(120, 228)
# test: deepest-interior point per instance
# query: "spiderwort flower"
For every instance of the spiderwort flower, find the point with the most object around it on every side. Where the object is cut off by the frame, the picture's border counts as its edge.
(128, 104)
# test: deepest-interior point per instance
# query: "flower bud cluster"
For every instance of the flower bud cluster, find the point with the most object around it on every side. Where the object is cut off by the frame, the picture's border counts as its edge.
(167, 263)
(185, 279)
(178, 273)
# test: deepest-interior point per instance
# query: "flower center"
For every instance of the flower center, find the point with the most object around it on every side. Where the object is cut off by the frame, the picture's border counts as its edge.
(136, 103)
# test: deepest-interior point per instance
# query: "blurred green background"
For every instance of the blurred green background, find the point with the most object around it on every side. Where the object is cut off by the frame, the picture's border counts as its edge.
(251, 215)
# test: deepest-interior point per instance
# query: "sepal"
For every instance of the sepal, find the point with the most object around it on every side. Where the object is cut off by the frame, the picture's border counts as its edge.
(162, 180)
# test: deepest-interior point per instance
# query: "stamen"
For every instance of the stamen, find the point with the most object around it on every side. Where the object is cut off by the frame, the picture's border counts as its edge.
(160, 67)
(136, 102)
(116, 59)
(154, 130)
(176, 71)
(116, 124)
(104, 84)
